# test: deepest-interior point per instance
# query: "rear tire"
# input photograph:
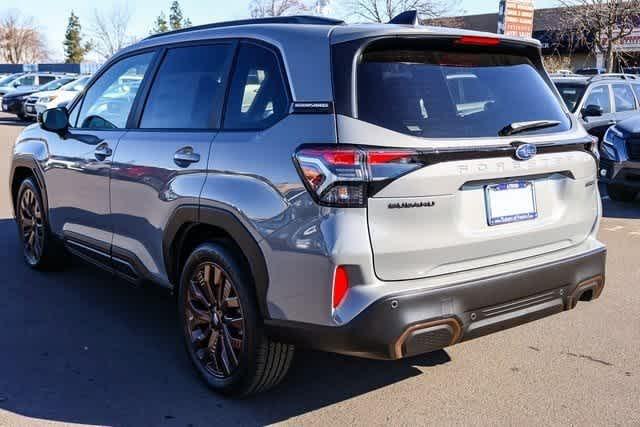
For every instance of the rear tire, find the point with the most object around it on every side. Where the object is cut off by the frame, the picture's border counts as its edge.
(621, 194)
(41, 250)
(222, 328)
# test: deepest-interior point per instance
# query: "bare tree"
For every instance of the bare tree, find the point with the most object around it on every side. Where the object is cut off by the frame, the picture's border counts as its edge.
(110, 30)
(602, 25)
(20, 40)
(385, 10)
(270, 8)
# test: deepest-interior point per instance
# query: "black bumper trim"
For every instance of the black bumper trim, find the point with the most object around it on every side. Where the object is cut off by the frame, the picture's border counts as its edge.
(480, 308)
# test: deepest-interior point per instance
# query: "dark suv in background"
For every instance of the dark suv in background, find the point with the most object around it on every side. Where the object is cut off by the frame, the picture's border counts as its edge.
(602, 100)
(620, 160)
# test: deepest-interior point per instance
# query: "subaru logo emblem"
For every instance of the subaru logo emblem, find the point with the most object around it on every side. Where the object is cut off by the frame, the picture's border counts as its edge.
(526, 151)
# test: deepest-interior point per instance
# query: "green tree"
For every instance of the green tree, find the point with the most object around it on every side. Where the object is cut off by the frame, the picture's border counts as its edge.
(176, 17)
(74, 49)
(161, 25)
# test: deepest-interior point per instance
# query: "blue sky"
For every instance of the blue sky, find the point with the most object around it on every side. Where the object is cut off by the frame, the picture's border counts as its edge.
(51, 16)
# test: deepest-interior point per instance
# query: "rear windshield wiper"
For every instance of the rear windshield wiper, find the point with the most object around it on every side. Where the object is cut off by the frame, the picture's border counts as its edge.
(518, 127)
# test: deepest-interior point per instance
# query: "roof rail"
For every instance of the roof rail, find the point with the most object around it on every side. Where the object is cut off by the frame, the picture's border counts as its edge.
(614, 76)
(297, 19)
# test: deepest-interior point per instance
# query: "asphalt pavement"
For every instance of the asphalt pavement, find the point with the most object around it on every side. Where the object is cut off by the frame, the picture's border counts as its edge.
(81, 347)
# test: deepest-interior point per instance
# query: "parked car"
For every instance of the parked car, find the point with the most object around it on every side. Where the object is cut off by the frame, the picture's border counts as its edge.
(290, 194)
(28, 81)
(600, 101)
(591, 71)
(14, 102)
(632, 70)
(41, 101)
(620, 160)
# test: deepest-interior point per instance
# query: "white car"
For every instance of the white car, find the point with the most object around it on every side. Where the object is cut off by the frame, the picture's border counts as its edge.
(39, 102)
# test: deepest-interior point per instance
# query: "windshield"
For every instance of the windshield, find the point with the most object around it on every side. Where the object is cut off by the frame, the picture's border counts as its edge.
(571, 94)
(8, 79)
(451, 94)
(54, 85)
(76, 85)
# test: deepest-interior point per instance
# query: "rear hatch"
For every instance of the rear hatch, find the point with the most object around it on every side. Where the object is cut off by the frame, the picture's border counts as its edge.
(500, 174)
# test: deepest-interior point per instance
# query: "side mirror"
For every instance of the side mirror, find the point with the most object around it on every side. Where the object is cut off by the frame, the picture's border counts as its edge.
(592, 111)
(55, 120)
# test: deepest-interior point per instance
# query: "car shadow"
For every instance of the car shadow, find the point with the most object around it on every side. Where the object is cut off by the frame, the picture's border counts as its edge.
(11, 120)
(79, 346)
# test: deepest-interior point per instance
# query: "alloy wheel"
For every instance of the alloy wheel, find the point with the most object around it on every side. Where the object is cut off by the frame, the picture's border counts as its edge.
(214, 320)
(31, 226)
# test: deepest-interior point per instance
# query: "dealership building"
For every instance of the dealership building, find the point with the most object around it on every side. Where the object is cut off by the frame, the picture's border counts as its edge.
(518, 18)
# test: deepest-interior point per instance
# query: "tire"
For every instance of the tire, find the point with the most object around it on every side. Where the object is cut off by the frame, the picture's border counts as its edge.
(621, 194)
(22, 117)
(41, 251)
(253, 363)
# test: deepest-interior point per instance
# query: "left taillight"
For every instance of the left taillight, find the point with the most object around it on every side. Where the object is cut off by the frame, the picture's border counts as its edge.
(344, 176)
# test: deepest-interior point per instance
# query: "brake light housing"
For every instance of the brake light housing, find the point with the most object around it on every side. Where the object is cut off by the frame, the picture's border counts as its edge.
(346, 175)
(477, 41)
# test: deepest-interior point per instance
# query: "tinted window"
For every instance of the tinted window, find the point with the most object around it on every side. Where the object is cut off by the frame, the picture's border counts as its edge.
(450, 94)
(258, 96)
(46, 79)
(623, 96)
(571, 94)
(108, 101)
(189, 89)
(599, 96)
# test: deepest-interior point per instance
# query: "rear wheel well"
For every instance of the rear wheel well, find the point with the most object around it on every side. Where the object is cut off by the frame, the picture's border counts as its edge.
(191, 236)
(19, 175)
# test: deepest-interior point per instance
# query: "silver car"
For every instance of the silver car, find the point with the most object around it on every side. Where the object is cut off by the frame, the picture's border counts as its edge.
(374, 190)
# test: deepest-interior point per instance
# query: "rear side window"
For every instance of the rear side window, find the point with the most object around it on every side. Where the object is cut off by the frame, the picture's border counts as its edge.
(46, 79)
(623, 96)
(453, 94)
(188, 92)
(599, 96)
(258, 98)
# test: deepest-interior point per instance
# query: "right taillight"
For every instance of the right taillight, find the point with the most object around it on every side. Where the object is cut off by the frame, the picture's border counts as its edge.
(344, 176)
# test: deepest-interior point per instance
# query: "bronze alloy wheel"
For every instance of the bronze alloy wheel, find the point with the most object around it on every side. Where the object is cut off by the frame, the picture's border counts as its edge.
(31, 222)
(214, 320)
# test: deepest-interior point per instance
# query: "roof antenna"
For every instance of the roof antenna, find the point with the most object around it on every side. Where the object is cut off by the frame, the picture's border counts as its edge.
(410, 17)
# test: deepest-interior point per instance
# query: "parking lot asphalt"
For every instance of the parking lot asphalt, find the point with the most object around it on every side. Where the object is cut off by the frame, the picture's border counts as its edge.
(80, 347)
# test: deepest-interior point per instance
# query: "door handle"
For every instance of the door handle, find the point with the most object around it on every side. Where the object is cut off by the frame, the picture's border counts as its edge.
(186, 156)
(102, 151)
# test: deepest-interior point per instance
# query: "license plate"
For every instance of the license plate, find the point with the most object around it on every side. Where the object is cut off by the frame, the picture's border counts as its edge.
(30, 109)
(510, 202)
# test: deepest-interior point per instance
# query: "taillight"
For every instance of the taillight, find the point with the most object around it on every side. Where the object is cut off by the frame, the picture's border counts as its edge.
(344, 176)
(477, 41)
(340, 286)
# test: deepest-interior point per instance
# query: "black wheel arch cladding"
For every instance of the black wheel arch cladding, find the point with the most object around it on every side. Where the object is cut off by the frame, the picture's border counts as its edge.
(186, 217)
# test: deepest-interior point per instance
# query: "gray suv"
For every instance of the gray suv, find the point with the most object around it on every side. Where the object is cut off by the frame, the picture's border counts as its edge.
(601, 101)
(380, 191)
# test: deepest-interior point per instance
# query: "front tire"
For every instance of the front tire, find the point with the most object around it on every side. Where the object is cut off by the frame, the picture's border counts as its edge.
(621, 194)
(40, 250)
(222, 328)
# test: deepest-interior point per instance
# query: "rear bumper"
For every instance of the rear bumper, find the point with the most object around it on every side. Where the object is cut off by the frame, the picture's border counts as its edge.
(626, 174)
(396, 326)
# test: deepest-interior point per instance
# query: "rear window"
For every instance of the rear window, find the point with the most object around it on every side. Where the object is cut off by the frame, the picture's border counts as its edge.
(451, 94)
(571, 94)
